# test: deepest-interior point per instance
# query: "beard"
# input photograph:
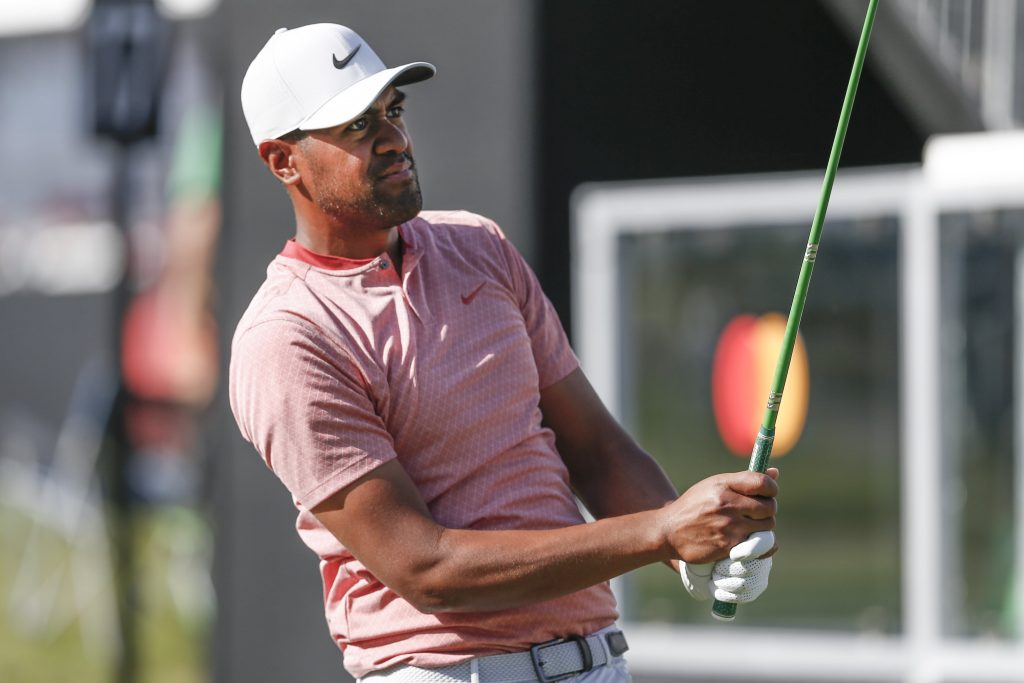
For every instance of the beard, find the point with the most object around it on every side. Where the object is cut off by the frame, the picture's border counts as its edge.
(373, 203)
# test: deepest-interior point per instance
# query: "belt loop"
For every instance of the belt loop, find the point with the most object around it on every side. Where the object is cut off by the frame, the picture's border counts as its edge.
(585, 654)
(474, 670)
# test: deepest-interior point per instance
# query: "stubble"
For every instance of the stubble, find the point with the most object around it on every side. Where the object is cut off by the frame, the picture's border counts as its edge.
(372, 202)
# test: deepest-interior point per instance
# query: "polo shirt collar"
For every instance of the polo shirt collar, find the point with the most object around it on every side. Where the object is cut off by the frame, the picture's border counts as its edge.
(410, 255)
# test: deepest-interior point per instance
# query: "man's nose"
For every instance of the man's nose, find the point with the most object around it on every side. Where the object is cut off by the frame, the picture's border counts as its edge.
(392, 138)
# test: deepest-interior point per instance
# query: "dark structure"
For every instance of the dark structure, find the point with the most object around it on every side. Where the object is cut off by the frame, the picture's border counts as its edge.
(675, 89)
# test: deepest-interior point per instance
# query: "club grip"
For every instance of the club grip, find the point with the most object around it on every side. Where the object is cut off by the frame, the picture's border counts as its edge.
(723, 611)
(726, 611)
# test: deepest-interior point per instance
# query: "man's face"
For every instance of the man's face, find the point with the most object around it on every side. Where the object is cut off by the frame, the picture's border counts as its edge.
(362, 173)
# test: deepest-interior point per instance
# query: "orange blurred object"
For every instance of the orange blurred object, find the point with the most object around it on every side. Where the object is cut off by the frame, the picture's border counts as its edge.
(741, 376)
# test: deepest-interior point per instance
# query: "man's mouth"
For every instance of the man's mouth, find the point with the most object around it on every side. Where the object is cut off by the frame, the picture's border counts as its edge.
(400, 170)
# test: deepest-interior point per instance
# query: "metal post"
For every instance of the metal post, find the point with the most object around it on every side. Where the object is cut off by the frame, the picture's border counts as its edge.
(127, 43)
(997, 64)
(118, 450)
(1018, 400)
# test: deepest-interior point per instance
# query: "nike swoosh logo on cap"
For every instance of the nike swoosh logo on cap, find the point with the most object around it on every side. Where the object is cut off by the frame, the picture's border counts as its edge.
(342, 63)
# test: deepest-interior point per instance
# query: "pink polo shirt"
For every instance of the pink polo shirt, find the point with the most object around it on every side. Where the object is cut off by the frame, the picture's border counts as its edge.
(339, 366)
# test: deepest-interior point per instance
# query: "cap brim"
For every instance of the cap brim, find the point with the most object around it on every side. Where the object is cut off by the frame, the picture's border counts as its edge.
(354, 100)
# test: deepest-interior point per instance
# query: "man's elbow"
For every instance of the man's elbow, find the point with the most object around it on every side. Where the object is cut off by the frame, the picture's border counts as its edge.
(430, 593)
(428, 578)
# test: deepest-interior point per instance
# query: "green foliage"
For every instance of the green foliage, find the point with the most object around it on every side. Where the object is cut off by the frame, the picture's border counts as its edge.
(60, 642)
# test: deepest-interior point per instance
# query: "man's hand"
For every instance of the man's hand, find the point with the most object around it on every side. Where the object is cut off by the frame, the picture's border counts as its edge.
(717, 514)
(740, 578)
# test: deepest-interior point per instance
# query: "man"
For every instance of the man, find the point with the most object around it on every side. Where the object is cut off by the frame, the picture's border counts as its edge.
(405, 377)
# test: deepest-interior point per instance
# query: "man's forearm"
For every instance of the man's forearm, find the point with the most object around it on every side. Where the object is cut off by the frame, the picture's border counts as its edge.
(468, 570)
(441, 569)
(490, 570)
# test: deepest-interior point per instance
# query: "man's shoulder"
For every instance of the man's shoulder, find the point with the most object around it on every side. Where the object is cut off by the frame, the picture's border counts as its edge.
(460, 222)
(282, 298)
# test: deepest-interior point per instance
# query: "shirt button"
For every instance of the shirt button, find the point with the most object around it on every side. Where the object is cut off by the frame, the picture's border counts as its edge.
(383, 264)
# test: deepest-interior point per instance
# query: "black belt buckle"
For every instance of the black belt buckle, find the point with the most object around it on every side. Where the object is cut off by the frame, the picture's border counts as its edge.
(617, 644)
(538, 664)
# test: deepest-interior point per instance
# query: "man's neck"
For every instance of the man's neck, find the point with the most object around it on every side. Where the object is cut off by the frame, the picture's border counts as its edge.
(349, 241)
(360, 245)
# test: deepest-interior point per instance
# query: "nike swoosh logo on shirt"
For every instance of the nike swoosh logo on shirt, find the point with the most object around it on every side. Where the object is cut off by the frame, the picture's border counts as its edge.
(468, 298)
(342, 63)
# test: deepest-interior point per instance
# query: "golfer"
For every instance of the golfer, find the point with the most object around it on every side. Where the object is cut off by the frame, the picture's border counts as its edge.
(405, 377)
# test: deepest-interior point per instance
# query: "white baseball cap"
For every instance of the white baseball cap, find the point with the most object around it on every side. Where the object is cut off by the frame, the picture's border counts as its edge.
(316, 76)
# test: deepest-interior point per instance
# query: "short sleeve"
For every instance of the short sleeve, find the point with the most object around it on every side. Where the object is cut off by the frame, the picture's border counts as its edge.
(551, 350)
(305, 406)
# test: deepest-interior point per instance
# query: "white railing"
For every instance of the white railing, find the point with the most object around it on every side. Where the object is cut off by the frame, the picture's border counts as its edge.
(974, 173)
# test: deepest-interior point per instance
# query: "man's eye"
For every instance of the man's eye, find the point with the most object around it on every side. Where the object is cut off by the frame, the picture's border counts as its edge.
(358, 124)
(396, 112)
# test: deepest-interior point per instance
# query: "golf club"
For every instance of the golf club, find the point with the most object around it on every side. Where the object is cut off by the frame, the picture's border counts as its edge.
(726, 611)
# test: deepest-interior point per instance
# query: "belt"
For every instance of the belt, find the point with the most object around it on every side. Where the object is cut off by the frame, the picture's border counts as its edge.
(547, 662)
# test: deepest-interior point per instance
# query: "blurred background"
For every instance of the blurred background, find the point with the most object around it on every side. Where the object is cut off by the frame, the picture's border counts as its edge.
(657, 162)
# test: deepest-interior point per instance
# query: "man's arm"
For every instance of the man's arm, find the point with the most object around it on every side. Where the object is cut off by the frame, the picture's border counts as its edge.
(384, 522)
(610, 473)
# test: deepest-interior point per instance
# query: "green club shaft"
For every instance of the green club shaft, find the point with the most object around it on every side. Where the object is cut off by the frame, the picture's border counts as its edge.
(763, 444)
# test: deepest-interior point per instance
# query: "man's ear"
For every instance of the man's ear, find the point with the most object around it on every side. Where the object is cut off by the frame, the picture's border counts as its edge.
(278, 156)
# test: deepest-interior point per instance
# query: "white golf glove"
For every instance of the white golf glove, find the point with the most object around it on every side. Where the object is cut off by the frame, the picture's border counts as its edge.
(740, 578)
